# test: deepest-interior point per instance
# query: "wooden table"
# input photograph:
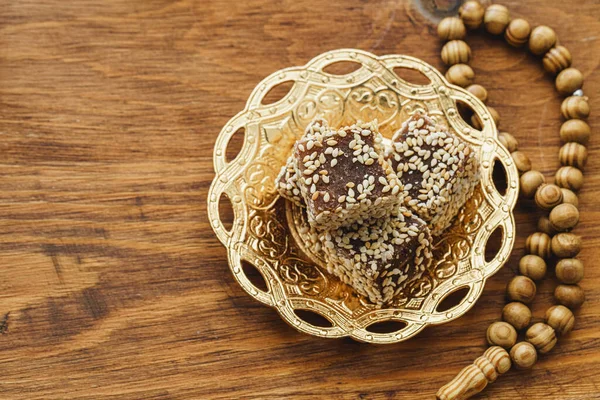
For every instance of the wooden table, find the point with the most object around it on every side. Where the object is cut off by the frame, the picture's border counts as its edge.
(113, 285)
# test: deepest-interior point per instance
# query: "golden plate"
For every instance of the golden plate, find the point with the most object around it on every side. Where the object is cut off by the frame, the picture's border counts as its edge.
(264, 230)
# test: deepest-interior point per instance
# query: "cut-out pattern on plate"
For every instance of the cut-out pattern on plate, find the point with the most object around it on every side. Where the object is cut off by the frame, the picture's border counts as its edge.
(265, 229)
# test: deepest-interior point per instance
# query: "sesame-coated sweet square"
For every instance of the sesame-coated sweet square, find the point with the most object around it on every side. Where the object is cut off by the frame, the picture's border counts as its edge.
(342, 175)
(380, 256)
(287, 180)
(438, 170)
(287, 183)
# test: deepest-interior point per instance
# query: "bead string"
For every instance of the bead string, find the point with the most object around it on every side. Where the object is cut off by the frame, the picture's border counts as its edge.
(559, 200)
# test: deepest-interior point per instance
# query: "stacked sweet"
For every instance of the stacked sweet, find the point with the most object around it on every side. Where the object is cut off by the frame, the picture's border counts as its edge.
(373, 209)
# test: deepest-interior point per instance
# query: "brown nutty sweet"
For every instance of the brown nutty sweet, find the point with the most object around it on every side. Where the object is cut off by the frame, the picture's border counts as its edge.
(573, 154)
(451, 28)
(541, 39)
(532, 266)
(508, 141)
(501, 334)
(517, 32)
(569, 177)
(569, 270)
(548, 196)
(460, 74)
(568, 81)
(530, 181)
(571, 296)
(566, 245)
(471, 12)
(496, 19)
(561, 319)
(575, 130)
(479, 92)
(542, 336)
(538, 243)
(456, 52)
(517, 314)
(575, 107)
(521, 160)
(557, 59)
(521, 288)
(545, 226)
(523, 355)
(569, 197)
(564, 217)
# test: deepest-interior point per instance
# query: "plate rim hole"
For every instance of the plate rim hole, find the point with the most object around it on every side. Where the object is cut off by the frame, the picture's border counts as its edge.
(412, 76)
(277, 92)
(452, 299)
(254, 275)
(388, 326)
(235, 144)
(496, 239)
(313, 317)
(466, 112)
(226, 211)
(499, 176)
(342, 67)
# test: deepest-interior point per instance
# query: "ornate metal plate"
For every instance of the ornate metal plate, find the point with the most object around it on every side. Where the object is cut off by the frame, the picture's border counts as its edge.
(264, 231)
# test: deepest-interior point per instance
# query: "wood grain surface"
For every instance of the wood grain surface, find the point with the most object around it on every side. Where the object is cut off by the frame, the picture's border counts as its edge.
(112, 284)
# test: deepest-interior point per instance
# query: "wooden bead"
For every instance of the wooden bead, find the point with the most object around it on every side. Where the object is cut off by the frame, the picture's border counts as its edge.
(541, 39)
(451, 28)
(471, 12)
(517, 32)
(557, 59)
(495, 117)
(542, 336)
(522, 289)
(456, 52)
(479, 92)
(530, 181)
(532, 266)
(521, 160)
(561, 319)
(548, 196)
(474, 378)
(571, 296)
(575, 107)
(545, 226)
(569, 270)
(569, 178)
(569, 197)
(573, 154)
(517, 314)
(496, 19)
(538, 243)
(564, 217)
(523, 355)
(508, 141)
(575, 130)
(460, 74)
(501, 334)
(566, 245)
(568, 81)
